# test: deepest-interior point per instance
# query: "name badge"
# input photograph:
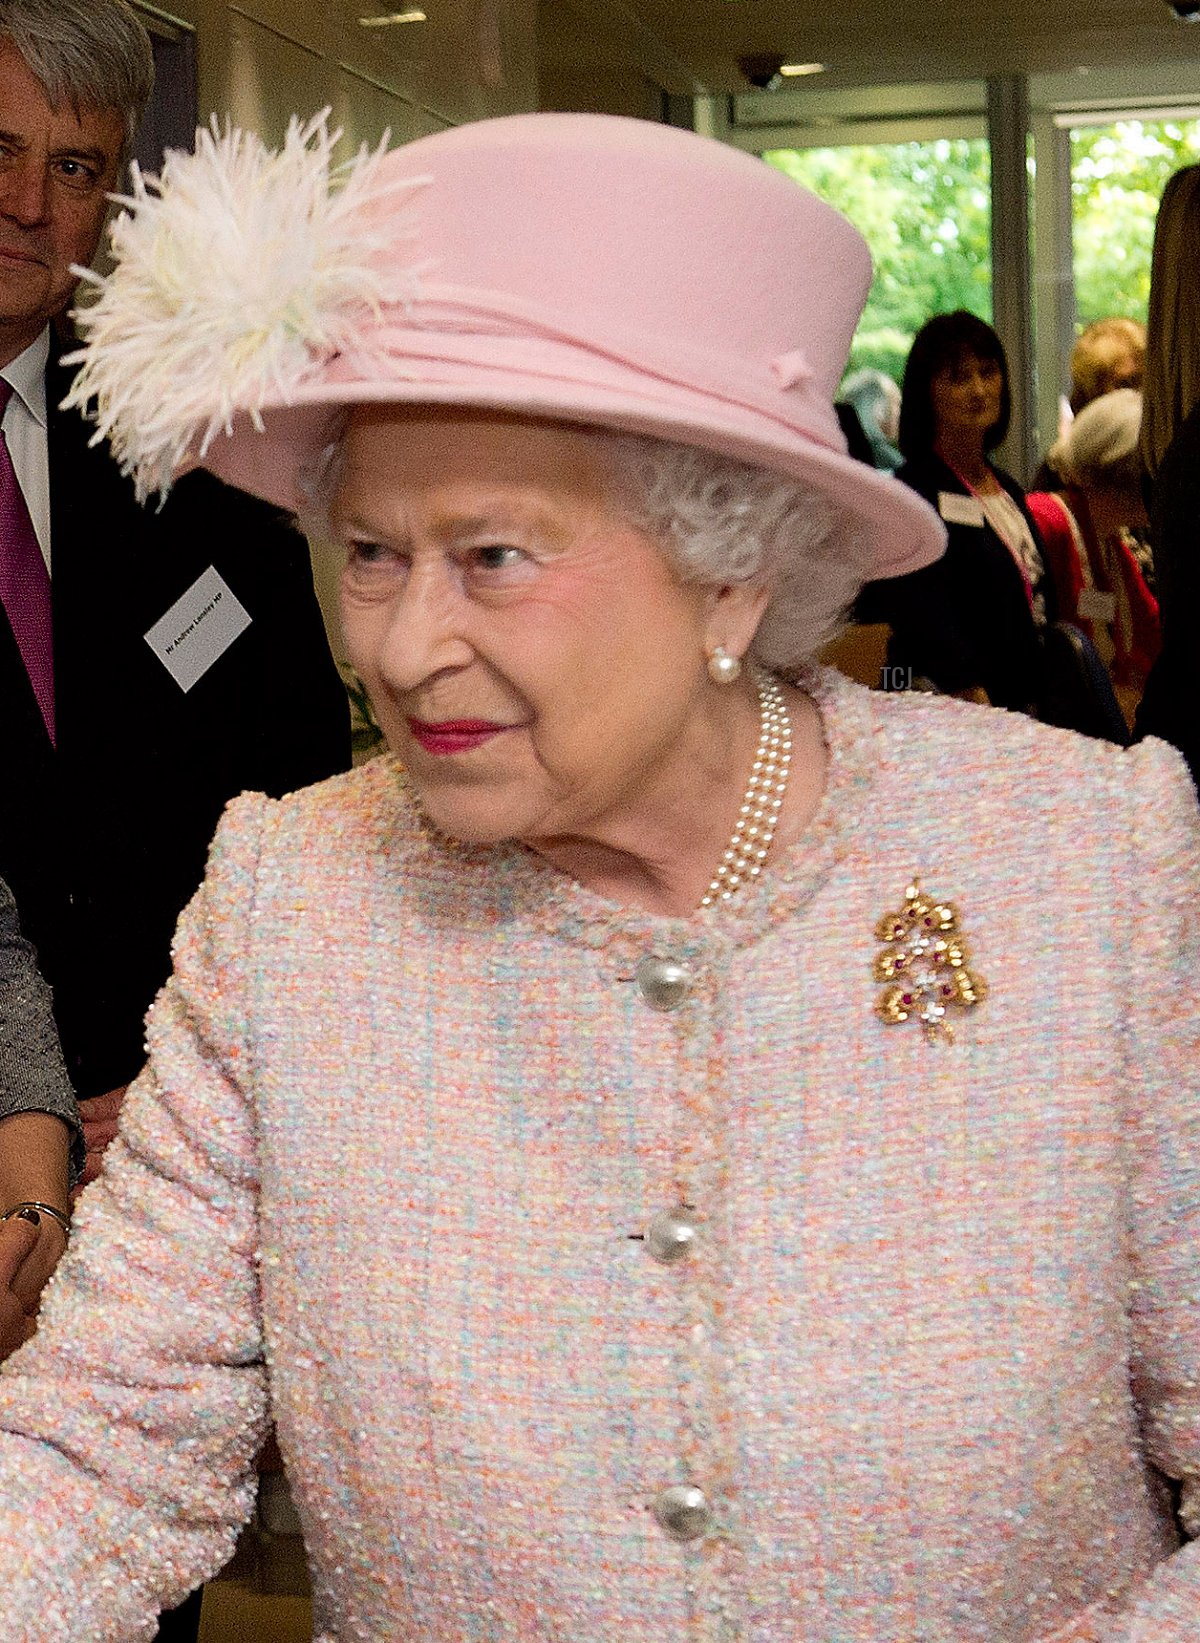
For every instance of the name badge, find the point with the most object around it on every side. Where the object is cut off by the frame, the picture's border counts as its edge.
(198, 629)
(1095, 606)
(960, 510)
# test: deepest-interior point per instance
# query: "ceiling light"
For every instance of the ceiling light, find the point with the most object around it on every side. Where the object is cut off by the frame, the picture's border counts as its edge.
(792, 71)
(413, 15)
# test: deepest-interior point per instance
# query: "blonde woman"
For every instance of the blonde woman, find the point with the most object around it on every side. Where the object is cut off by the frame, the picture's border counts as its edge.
(1110, 354)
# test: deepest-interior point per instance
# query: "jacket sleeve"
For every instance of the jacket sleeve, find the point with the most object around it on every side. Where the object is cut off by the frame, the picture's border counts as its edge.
(129, 1425)
(33, 1075)
(1161, 952)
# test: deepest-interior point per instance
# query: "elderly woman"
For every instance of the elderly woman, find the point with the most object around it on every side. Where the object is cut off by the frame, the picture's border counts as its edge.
(675, 1152)
(875, 400)
(1102, 572)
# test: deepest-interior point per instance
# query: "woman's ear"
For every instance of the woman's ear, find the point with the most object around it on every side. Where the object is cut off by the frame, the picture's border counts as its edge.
(735, 611)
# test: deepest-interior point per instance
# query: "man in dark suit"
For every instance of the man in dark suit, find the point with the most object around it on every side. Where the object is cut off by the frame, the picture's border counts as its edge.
(109, 793)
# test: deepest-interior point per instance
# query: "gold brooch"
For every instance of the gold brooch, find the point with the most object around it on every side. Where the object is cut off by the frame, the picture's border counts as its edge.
(925, 960)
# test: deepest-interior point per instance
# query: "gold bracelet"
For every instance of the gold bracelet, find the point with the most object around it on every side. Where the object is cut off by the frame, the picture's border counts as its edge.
(64, 1221)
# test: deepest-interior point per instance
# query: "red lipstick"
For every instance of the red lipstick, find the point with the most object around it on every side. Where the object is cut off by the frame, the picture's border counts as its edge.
(453, 735)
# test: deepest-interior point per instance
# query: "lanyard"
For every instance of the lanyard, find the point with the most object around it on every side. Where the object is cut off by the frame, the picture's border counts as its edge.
(1012, 546)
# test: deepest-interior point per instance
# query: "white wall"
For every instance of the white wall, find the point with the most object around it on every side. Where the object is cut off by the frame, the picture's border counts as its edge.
(261, 61)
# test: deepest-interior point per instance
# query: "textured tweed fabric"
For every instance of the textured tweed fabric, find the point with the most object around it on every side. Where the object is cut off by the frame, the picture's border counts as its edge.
(410, 1115)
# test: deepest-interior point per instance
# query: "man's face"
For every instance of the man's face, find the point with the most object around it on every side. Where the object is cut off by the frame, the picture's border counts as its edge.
(55, 169)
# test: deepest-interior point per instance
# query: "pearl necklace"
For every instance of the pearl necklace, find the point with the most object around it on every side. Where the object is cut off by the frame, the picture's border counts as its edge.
(759, 813)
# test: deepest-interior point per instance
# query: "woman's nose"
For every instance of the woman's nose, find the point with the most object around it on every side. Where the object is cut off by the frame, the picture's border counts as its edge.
(424, 632)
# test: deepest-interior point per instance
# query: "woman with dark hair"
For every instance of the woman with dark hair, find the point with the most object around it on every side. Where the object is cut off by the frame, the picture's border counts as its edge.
(970, 622)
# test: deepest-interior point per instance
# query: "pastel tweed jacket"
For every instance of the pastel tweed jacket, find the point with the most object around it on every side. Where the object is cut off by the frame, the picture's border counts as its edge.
(397, 1174)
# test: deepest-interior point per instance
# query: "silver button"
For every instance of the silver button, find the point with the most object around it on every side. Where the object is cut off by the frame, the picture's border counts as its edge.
(683, 1512)
(665, 983)
(670, 1235)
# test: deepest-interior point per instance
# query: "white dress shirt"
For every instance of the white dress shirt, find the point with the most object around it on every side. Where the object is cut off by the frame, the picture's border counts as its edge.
(25, 430)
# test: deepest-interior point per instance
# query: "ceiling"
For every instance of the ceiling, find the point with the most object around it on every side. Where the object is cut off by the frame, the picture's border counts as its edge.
(694, 45)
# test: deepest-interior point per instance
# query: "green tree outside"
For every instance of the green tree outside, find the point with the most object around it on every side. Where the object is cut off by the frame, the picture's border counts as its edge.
(1118, 173)
(925, 211)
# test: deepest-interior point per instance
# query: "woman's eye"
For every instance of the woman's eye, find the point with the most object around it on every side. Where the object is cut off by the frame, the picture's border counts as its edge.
(371, 563)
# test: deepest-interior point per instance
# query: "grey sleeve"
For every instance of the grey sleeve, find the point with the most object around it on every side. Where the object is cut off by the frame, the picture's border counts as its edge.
(33, 1075)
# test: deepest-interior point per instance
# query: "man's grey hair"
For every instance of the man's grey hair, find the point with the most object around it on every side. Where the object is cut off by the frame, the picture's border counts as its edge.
(86, 54)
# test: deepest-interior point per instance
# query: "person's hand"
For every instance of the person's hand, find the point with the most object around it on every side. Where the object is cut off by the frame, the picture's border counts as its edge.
(35, 1270)
(19, 1240)
(100, 1114)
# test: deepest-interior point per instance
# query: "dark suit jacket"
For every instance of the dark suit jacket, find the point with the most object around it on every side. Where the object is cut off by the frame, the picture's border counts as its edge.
(1170, 707)
(963, 621)
(103, 840)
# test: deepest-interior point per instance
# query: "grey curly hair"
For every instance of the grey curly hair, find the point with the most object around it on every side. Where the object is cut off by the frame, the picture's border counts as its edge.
(720, 521)
(724, 521)
(1101, 445)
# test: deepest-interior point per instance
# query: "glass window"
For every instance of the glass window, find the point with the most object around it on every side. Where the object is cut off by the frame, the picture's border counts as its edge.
(924, 208)
(1117, 175)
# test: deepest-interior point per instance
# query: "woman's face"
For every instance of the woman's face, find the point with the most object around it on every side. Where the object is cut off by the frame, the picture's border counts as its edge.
(966, 398)
(531, 656)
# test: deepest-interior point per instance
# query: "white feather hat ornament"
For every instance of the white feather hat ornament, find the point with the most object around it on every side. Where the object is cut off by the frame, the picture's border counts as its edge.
(239, 273)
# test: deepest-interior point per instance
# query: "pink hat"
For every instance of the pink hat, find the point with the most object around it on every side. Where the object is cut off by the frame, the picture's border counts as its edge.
(571, 266)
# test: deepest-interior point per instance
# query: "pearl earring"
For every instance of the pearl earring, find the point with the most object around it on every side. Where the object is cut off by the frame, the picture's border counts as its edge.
(723, 668)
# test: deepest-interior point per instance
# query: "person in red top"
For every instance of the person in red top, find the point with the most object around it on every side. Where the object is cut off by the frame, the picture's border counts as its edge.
(1102, 574)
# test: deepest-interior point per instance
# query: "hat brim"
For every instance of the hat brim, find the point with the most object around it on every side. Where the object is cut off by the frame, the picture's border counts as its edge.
(879, 525)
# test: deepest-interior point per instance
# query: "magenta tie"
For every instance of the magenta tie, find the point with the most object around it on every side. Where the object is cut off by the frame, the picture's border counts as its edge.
(25, 581)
